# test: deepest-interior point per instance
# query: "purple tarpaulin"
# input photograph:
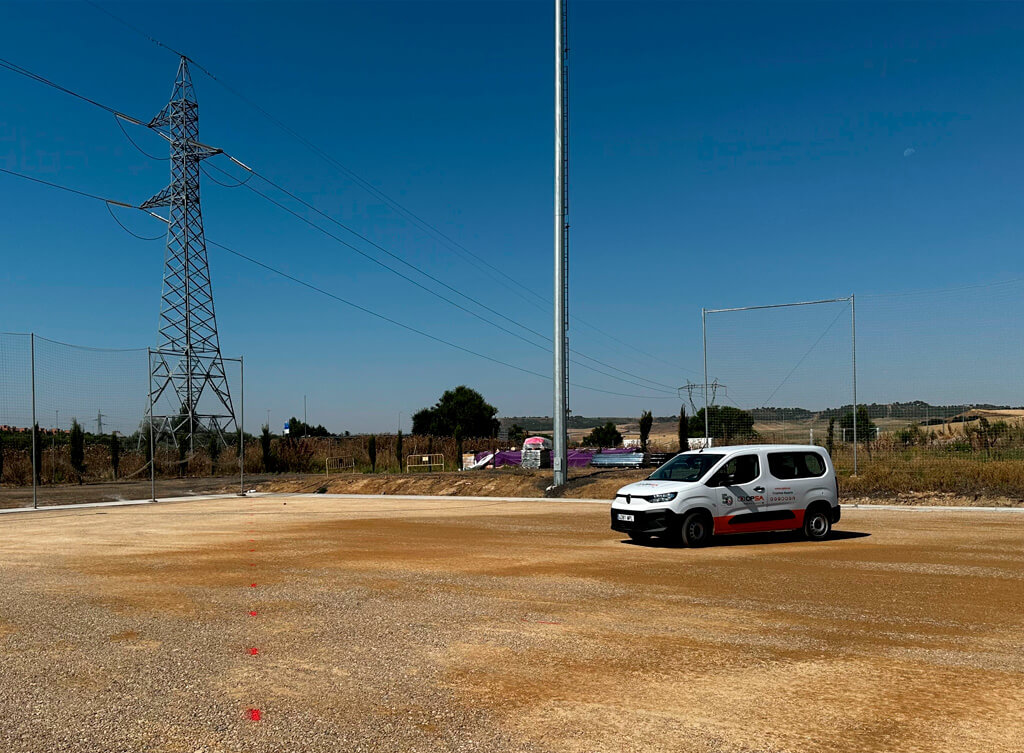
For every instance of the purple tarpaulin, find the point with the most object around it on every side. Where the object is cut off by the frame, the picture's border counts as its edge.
(577, 458)
(508, 457)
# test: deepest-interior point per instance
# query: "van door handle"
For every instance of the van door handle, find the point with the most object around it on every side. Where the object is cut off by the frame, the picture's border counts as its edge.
(759, 489)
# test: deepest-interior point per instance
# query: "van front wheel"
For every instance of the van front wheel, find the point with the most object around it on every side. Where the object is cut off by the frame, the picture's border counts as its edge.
(817, 524)
(696, 529)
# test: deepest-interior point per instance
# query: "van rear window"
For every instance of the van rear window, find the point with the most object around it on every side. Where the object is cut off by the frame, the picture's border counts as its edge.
(788, 465)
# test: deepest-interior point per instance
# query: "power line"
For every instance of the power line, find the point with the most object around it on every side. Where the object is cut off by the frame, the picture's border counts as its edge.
(423, 224)
(119, 116)
(327, 293)
(15, 68)
(652, 384)
(429, 276)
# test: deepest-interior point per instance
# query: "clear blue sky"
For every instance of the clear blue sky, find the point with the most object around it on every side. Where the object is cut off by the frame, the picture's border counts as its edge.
(723, 154)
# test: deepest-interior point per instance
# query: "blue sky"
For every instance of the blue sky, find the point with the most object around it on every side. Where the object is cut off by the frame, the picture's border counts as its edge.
(723, 154)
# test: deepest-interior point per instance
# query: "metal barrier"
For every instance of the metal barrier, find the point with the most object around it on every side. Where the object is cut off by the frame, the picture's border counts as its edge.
(425, 462)
(340, 465)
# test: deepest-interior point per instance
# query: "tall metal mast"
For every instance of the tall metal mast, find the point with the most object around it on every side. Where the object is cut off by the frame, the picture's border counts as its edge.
(560, 458)
(188, 358)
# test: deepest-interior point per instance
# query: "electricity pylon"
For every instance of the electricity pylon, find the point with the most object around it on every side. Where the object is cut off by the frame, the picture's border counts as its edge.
(187, 364)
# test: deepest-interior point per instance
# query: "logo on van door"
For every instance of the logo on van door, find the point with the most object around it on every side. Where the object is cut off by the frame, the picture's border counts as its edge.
(726, 499)
(783, 494)
(757, 498)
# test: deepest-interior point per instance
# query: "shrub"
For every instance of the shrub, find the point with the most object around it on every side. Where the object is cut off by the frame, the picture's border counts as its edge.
(646, 421)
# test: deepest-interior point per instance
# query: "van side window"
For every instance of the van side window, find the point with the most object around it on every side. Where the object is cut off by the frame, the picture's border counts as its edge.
(790, 465)
(741, 469)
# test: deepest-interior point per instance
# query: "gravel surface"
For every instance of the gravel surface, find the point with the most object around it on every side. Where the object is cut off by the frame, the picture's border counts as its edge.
(475, 625)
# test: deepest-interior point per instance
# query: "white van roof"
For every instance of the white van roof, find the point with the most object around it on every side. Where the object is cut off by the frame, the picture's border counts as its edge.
(729, 449)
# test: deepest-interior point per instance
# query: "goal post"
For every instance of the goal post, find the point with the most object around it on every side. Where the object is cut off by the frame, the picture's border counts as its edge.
(765, 353)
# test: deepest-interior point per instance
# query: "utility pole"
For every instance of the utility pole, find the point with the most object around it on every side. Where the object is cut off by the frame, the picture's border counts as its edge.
(305, 419)
(99, 423)
(560, 457)
(188, 366)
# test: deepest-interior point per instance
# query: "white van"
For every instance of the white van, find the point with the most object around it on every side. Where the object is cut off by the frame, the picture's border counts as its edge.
(724, 490)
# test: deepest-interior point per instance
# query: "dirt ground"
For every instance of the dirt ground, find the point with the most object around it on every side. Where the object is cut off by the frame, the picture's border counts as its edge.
(478, 625)
(71, 494)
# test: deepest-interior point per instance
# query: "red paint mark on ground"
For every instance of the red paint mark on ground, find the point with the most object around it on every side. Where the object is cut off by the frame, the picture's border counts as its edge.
(252, 585)
(252, 614)
(254, 652)
(254, 715)
(252, 550)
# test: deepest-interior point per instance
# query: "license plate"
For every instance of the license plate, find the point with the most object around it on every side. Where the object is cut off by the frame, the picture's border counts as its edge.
(625, 518)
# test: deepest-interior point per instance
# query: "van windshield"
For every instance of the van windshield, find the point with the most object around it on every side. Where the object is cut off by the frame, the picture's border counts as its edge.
(685, 468)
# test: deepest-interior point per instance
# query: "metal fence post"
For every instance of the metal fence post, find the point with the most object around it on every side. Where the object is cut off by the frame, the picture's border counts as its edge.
(241, 427)
(707, 410)
(853, 323)
(35, 466)
(152, 438)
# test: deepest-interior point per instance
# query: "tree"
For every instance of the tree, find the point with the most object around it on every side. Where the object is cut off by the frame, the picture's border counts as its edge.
(604, 436)
(297, 428)
(865, 426)
(115, 453)
(646, 421)
(371, 450)
(684, 430)
(830, 438)
(516, 435)
(724, 422)
(77, 448)
(462, 407)
(214, 447)
(398, 450)
(268, 457)
(458, 447)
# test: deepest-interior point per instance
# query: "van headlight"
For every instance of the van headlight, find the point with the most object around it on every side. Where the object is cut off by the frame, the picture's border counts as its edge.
(667, 497)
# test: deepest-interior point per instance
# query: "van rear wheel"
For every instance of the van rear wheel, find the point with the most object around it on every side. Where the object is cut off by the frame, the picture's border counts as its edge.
(817, 524)
(696, 529)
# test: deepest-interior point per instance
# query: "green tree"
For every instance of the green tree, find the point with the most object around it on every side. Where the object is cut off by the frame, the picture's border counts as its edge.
(268, 456)
(77, 449)
(865, 426)
(458, 447)
(297, 428)
(398, 451)
(371, 450)
(646, 422)
(604, 436)
(725, 423)
(830, 437)
(684, 430)
(459, 407)
(214, 447)
(516, 435)
(115, 453)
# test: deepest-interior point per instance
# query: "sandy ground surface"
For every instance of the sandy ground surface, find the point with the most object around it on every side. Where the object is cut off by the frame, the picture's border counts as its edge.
(477, 625)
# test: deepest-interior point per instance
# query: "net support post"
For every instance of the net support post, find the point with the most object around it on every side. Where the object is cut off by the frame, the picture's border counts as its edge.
(35, 460)
(853, 351)
(152, 437)
(241, 427)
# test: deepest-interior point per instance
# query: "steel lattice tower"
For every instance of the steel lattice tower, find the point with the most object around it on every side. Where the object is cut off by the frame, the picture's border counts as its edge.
(187, 367)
